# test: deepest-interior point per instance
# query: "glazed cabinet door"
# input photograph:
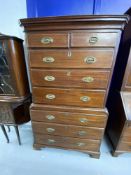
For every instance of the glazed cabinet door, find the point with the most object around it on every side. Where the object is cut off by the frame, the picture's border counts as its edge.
(6, 87)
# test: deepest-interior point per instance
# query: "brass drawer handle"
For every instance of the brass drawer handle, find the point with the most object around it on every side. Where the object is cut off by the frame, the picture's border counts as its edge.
(82, 133)
(50, 96)
(49, 78)
(50, 130)
(93, 40)
(50, 141)
(85, 98)
(88, 79)
(50, 117)
(90, 60)
(80, 144)
(83, 120)
(47, 40)
(48, 59)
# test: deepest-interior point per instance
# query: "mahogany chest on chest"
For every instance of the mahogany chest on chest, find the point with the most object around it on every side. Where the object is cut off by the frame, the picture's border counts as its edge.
(71, 62)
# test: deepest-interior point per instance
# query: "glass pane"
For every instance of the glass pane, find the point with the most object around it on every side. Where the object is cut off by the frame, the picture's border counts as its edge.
(5, 79)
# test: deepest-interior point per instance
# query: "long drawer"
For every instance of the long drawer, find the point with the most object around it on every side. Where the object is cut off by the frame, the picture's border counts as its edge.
(70, 78)
(67, 142)
(67, 130)
(91, 58)
(76, 97)
(72, 118)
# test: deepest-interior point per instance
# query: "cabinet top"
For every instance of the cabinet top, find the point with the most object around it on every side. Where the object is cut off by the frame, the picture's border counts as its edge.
(68, 22)
(6, 37)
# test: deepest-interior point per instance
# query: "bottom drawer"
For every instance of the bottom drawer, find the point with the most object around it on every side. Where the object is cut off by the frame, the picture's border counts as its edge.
(67, 130)
(67, 142)
(124, 146)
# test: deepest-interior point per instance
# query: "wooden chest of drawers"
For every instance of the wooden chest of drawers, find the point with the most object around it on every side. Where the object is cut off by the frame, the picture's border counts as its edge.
(71, 61)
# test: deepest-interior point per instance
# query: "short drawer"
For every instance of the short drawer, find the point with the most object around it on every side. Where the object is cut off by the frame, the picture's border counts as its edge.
(76, 97)
(91, 58)
(47, 40)
(70, 78)
(93, 39)
(67, 130)
(67, 142)
(81, 119)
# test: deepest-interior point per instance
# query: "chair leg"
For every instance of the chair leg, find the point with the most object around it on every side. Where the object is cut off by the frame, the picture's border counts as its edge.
(8, 128)
(5, 133)
(17, 133)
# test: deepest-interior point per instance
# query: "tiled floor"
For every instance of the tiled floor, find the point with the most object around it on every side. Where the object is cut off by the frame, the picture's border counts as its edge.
(23, 160)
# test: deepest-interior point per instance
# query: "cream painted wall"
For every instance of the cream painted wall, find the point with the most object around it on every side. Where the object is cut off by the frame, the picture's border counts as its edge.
(10, 13)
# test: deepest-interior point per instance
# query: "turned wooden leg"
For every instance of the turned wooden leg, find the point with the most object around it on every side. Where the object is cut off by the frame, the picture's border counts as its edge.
(17, 133)
(5, 133)
(8, 128)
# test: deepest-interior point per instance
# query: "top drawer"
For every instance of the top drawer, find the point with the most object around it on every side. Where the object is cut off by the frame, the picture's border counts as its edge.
(75, 39)
(93, 39)
(47, 39)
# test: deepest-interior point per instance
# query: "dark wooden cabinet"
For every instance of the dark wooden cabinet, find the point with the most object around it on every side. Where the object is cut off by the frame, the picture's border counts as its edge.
(14, 88)
(71, 64)
(13, 76)
(119, 99)
(119, 124)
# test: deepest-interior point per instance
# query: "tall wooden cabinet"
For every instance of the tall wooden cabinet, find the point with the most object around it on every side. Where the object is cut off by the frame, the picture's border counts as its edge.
(71, 63)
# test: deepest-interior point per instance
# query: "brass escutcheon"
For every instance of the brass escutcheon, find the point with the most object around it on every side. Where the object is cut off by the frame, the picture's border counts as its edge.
(83, 120)
(50, 141)
(88, 79)
(50, 129)
(80, 144)
(50, 117)
(82, 133)
(48, 59)
(47, 40)
(49, 78)
(50, 96)
(85, 98)
(89, 60)
(93, 39)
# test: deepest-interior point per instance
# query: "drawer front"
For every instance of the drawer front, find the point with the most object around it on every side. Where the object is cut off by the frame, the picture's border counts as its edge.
(124, 146)
(82, 119)
(67, 142)
(76, 97)
(70, 78)
(91, 58)
(128, 83)
(126, 137)
(67, 130)
(47, 40)
(92, 39)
